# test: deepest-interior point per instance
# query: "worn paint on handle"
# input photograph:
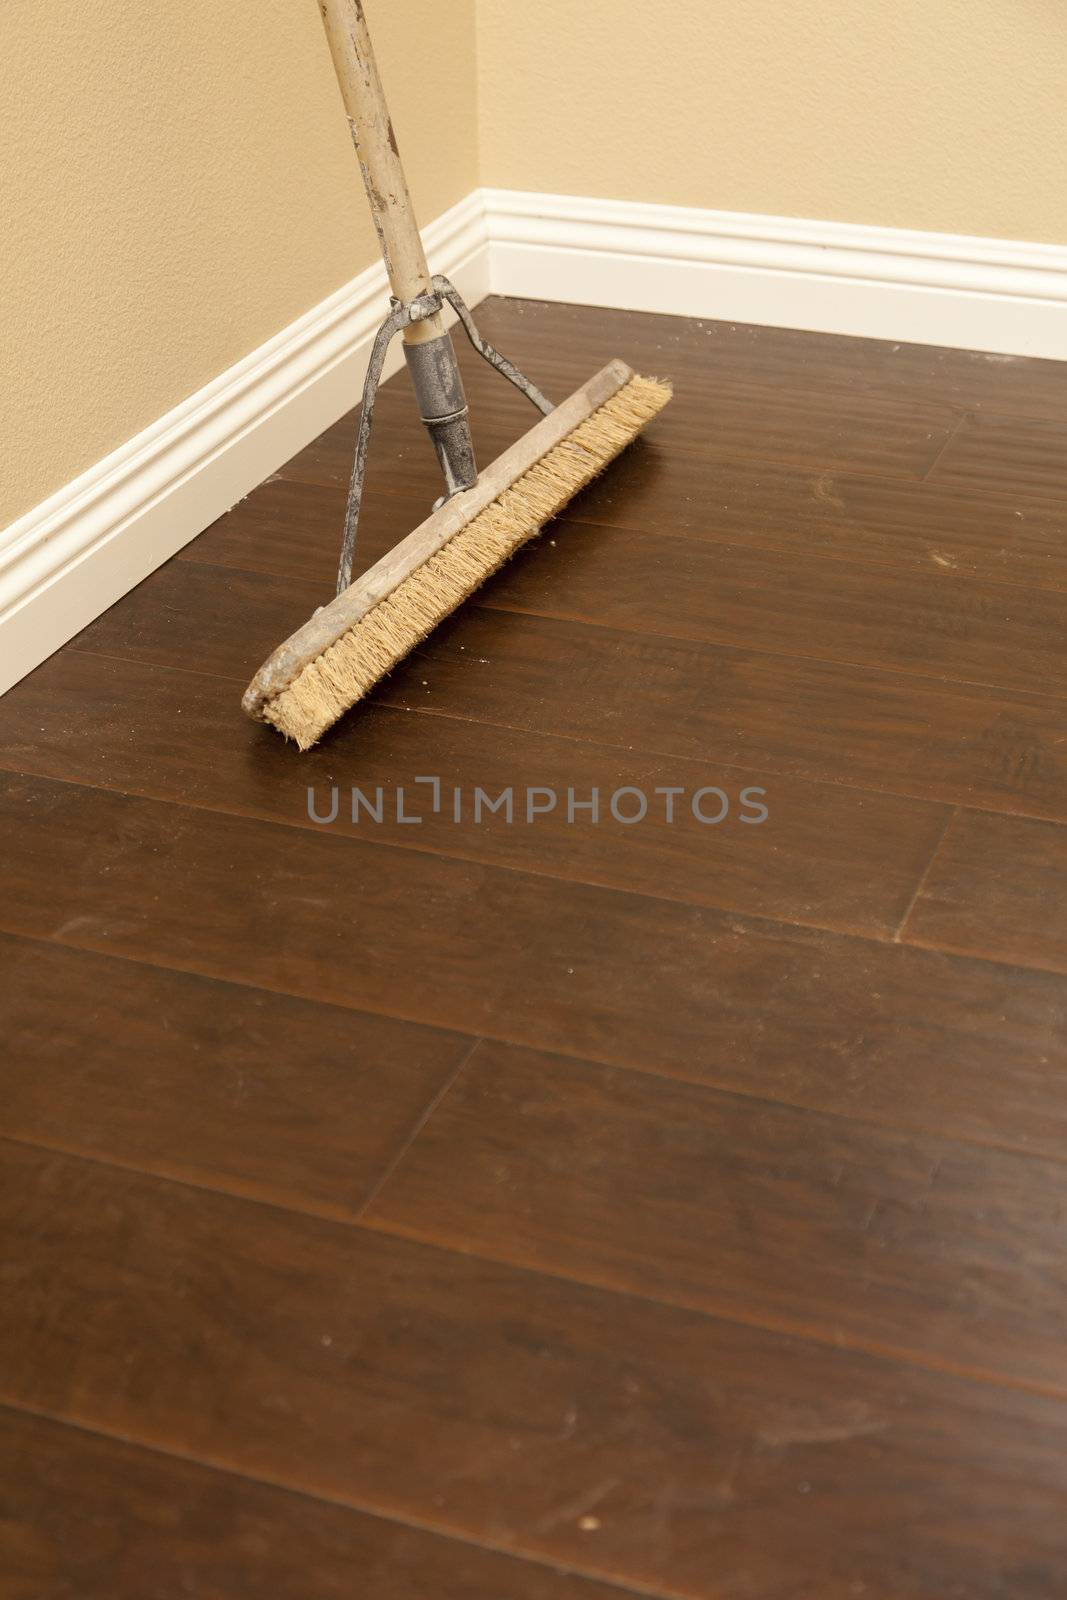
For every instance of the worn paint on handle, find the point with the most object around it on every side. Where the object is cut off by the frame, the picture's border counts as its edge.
(379, 159)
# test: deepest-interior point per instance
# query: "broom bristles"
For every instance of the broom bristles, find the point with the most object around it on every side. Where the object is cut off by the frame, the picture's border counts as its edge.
(328, 686)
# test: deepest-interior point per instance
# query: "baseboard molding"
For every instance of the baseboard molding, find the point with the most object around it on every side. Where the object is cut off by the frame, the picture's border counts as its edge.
(74, 555)
(919, 288)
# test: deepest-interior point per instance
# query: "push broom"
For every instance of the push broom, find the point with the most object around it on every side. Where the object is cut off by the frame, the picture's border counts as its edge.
(482, 518)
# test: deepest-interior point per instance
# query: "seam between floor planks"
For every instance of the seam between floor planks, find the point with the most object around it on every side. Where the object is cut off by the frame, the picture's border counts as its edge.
(603, 744)
(690, 453)
(830, 1339)
(712, 643)
(898, 936)
(327, 1214)
(378, 1514)
(642, 894)
(540, 873)
(892, 1355)
(916, 942)
(495, 309)
(832, 468)
(815, 468)
(509, 727)
(879, 390)
(691, 540)
(961, 423)
(798, 462)
(425, 1115)
(414, 848)
(778, 655)
(767, 772)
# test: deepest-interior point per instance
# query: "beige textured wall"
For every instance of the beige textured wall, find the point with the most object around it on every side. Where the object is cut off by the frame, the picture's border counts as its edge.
(946, 115)
(176, 185)
(176, 182)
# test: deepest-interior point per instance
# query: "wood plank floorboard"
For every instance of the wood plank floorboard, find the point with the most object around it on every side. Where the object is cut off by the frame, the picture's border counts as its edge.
(935, 625)
(92, 1518)
(998, 888)
(628, 1440)
(860, 433)
(294, 529)
(561, 342)
(937, 622)
(946, 628)
(543, 333)
(877, 730)
(204, 619)
(827, 856)
(851, 1026)
(544, 1209)
(768, 394)
(896, 732)
(1027, 457)
(689, 1196)
(764, 401)
(261, 1094)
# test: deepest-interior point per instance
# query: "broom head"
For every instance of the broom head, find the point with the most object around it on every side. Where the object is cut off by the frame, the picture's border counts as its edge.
(336, 657)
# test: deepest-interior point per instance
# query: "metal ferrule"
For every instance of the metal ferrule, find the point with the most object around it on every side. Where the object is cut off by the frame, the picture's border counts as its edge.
(443, 408)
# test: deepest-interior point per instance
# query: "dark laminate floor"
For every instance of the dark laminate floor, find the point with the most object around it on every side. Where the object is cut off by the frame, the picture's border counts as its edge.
(548, 1210)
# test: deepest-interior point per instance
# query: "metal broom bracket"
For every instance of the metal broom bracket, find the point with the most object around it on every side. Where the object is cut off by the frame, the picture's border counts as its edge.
(506, 368)
(438, 390)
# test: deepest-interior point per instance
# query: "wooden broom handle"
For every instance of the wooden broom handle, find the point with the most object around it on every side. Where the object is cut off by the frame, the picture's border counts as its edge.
(379, 159)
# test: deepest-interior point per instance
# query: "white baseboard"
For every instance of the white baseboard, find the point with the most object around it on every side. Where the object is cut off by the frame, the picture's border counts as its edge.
(75, 554)
(79, 551)
(831, 277)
